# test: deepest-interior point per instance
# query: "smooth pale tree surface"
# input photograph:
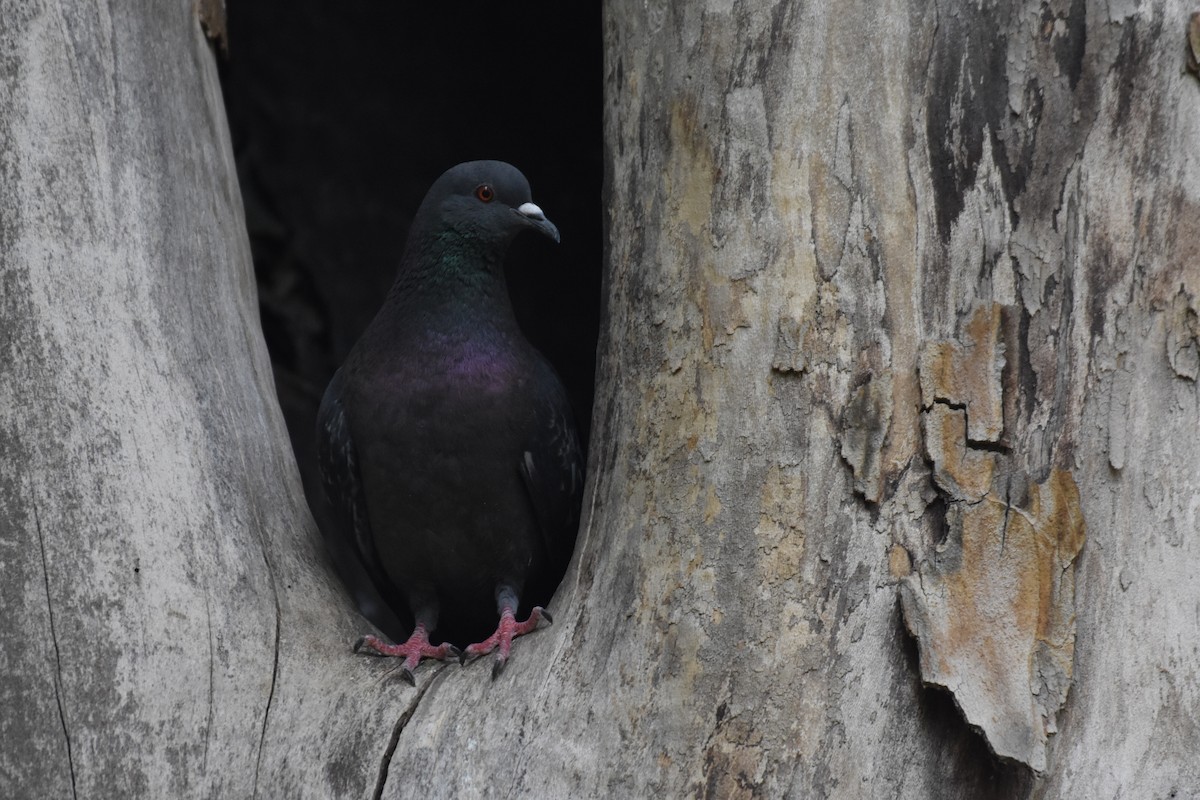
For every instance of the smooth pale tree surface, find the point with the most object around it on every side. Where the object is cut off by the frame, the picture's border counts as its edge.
(170, 626)
(875, 271)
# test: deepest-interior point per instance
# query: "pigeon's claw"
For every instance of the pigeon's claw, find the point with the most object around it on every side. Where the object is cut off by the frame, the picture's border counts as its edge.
(412, 651)
(501, 640)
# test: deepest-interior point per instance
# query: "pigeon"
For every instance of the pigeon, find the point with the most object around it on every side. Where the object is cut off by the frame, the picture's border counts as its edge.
(446, 442)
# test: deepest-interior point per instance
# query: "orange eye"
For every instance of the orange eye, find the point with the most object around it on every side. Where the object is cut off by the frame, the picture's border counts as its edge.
(485, 192)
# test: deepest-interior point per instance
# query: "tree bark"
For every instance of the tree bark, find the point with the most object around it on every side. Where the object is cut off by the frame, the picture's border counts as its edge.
(900, 301)
(897, 390)
(171, 627)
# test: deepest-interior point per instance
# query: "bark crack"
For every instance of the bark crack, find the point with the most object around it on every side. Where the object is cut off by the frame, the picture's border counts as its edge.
(62, 716)
(262, 735)
(974, 444)
(266, 557)
(385, 763)
(209, 723)
(1007, 512)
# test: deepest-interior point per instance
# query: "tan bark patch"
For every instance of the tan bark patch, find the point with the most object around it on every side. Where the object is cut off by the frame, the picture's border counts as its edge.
(965, 373)
(992, 604)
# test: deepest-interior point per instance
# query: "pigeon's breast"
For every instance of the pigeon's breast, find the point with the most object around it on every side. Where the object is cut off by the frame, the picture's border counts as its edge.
(443, 436)
(446, 392)
(485, 369)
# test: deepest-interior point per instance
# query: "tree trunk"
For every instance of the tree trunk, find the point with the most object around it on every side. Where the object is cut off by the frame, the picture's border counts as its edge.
(897, 390)
(900, 304)
(171, 628)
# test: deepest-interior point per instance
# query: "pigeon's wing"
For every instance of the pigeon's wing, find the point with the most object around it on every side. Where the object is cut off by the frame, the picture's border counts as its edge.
(338, 461)
(552, 469)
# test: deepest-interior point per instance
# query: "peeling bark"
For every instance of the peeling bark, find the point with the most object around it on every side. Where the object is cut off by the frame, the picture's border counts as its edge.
(992, 605)
(1183, 336)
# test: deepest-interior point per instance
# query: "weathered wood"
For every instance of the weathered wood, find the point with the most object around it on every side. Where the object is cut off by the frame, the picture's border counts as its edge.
(827, 225)
(170, 624)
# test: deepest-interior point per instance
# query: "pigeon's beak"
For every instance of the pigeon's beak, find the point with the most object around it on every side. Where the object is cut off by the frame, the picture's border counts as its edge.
(534, 217)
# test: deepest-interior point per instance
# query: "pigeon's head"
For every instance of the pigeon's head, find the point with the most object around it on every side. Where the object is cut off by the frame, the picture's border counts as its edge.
(487, 201)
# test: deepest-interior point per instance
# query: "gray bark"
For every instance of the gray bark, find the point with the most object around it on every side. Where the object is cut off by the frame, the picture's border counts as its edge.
(170, 623)
(901, 335)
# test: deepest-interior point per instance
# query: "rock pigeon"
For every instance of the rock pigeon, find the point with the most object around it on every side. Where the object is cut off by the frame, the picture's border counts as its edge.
(446, 442)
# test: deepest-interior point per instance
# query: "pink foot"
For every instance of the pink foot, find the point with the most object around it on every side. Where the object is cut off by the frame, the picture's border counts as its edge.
(416, 648)
(506, 631)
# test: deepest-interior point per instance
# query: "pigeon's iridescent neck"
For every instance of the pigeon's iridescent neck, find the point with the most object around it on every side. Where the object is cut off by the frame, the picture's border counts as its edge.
(450, 250)
(449, 266)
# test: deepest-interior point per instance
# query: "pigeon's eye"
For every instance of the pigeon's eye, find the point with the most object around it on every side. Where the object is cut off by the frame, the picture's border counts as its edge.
(485, 192)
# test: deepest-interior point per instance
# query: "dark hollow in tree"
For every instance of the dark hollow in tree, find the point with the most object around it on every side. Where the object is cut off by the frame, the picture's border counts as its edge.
(343, 115)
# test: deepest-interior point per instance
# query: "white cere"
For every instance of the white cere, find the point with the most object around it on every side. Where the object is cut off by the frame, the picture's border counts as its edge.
(532, 211)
